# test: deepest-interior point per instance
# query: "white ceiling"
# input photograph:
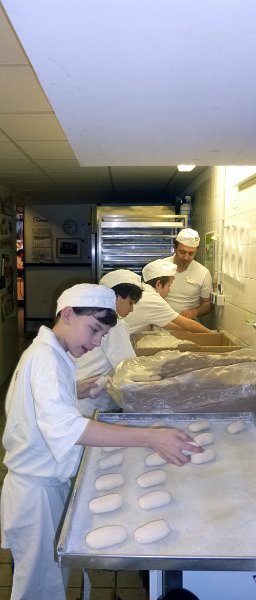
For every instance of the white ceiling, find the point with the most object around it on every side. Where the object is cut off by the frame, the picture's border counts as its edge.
(100, 99)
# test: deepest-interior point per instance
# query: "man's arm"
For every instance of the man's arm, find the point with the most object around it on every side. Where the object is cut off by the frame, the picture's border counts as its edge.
(204, 308)
(188, 325)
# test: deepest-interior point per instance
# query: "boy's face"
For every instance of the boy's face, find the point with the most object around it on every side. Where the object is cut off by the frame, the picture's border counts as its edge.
(84, 333)
(163, 290)
(124, 305)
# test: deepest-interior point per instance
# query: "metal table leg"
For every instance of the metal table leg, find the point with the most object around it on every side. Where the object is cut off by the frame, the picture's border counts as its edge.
(86, 586)
(155, 585)
(172, 580)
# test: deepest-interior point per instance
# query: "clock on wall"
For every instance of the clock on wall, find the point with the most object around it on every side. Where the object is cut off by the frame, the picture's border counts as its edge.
(70, 227)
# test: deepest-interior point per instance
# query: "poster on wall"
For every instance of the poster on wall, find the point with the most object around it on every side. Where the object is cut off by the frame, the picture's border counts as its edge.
(41, 250)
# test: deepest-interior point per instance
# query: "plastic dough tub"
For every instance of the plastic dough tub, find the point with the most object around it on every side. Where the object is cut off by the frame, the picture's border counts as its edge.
(212, 514)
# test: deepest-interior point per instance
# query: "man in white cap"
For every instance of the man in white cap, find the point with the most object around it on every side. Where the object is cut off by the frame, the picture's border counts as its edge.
(45, 435)
(115, 346)
(152, 309)
(190, 293)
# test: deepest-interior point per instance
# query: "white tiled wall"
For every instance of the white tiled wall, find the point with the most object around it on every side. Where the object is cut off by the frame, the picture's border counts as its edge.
(221, 207)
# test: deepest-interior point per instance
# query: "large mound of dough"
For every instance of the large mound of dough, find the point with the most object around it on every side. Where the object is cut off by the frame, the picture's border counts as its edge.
(160, 341)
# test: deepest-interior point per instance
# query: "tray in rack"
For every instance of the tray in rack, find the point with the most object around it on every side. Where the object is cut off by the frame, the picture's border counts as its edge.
(212, 514)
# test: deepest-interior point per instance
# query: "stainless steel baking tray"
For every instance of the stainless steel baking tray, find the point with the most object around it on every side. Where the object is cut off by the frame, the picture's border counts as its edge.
(212, 514)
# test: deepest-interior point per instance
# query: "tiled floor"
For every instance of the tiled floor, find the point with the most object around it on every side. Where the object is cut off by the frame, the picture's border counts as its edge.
(106, 585)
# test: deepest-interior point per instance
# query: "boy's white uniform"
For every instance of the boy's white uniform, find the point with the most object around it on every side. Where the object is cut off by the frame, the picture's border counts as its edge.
(115, 347)
(43, 424)
(189, 286)
(152, 309)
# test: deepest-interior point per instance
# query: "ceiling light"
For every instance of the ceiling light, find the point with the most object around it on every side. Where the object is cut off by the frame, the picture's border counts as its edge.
(185, 167)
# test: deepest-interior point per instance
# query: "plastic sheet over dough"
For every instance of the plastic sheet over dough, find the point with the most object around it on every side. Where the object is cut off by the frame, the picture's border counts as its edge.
(191, 382)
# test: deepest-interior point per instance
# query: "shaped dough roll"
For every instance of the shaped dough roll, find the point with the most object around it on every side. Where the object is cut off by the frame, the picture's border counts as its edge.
(236, 426)
(151, 478)
(197, 426)
(154, 499)
(152, 532)
(203, 439)
(109, 482)
(154, 460)
(105, 503)
(204, 457)
(113, 459)
(105, 536)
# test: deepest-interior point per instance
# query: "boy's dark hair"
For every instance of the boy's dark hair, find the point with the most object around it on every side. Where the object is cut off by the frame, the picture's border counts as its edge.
(163, 280)
(128, 289)
(109, 316)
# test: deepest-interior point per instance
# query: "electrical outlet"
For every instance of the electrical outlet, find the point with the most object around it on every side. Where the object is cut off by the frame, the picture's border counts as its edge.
(217, 299)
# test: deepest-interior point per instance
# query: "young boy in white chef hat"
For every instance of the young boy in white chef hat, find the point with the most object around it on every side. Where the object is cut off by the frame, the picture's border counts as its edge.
(152, 309)
(45, 434)
(190, 293)
(115, 346)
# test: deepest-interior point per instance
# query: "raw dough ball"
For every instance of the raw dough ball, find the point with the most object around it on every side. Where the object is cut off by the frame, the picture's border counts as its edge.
(236, 426)
(152, 531)
(109, 482)
(101, 384)
(151, 478)
(111, 449)
(188, 452)
(105, 503)
(199, 425)
(203, 439)
(109, 535)
(154, 499)
(113, 460)
(204, 457)
(154, 460)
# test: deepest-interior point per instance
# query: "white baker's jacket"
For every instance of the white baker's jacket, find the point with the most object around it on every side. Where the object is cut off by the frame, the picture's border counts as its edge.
(150, 310)
(189, 286)
(43, 422)
(42, 427)
(115, 347)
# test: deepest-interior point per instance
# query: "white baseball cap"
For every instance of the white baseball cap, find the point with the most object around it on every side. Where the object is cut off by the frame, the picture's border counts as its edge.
(188, 237)
(120, 276)
(87, 295)
(159, 268)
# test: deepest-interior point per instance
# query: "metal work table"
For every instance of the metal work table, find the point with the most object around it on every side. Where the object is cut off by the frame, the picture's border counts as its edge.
(211, 514)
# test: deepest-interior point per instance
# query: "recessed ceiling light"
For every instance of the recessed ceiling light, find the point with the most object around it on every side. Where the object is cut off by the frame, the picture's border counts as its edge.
(185, 167)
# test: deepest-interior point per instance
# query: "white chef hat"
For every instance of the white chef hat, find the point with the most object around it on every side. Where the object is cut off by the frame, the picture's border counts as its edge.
(87, 295)
(120, 276)
(188, 237)
(158, 268)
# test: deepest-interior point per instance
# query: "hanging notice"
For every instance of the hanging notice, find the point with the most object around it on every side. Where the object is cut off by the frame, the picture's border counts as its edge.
(41, 241)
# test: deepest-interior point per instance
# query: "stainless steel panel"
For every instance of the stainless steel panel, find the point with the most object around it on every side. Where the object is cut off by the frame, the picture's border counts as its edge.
(131, 236)
(212, 514)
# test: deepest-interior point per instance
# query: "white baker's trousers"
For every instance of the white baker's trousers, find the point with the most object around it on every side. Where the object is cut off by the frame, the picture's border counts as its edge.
(31, 511)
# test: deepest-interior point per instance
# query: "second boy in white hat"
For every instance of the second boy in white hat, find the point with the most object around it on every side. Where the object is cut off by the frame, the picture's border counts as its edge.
(152, 309)
(115, 346)
(190, 293)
